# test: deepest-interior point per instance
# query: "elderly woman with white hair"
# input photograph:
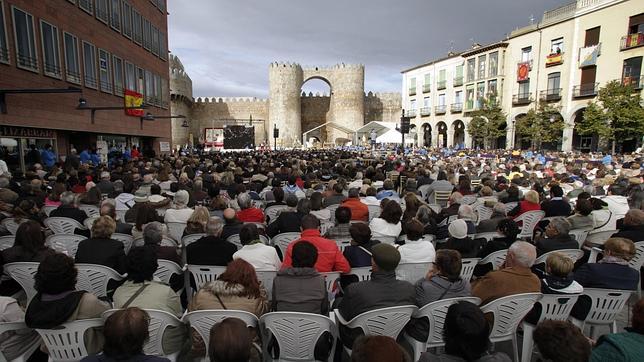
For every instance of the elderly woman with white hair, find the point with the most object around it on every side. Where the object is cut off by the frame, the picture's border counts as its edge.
(180, 212)
(248, 213)
(466, 213)
(490, 225)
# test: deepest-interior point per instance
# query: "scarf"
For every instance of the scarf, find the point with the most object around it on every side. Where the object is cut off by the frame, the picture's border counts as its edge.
(609, 259)
(47, 311)
(555, 283)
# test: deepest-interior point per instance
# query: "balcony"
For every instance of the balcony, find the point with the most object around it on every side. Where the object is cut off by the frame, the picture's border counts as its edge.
(441, 109)
(554, 59)
(427, 88)
(441, 84)
(410, 113)
(550, 95)
(636, 82)
(412, 91)
(631, 41)
(425, 111)
(458, 81)
(585, 90)
(521, 99)
(456, 108)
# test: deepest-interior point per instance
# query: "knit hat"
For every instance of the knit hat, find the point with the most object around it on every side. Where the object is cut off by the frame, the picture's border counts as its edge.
(140, 196)
(385, 256)
(458, 229)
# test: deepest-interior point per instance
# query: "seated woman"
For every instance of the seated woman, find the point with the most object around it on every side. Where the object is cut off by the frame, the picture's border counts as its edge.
(57, 301)
(416, 249)
(141, 291)
(530, 202)
(126, 331)
(152, 237)
(581, 219)
(509, 230)
(625, 346)
(14, 343)
(443, 282)
(230, 340)
(145, 215)
(459, 241)
(427, 217)
(101, 248)
(197, 221)
(466, 336)
(387, 227)
(236, 288)
(324, 215)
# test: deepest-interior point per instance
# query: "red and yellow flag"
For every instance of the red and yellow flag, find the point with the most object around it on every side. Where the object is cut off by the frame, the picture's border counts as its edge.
(134, 99)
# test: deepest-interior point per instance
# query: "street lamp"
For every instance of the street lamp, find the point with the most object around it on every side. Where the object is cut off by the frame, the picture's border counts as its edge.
(150, 117)
(82, 106)
(4, 92)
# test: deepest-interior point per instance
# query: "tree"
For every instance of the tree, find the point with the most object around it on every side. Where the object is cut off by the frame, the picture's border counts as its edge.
(616, 115)
(487, 123)
(540, 125)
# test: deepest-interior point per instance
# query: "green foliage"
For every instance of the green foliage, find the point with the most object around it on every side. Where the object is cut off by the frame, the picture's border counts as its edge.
(544, 124)
(616, 115)
(487, 123)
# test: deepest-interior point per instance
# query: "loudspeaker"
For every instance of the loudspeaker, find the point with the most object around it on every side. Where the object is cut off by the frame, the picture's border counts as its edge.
(404, 124)
(276, 133)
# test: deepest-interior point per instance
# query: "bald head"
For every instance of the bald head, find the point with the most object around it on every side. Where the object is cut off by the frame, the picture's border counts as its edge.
(229, 214)
(521, 254)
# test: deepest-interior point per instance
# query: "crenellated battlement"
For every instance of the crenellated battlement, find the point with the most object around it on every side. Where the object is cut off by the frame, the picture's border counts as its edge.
(285, 65)
(383, 95)
(230, 100)
(316, 95)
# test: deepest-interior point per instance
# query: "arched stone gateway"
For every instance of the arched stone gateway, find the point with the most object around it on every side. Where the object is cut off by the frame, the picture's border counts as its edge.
(441, 135)
(458, 129)
(426, 135)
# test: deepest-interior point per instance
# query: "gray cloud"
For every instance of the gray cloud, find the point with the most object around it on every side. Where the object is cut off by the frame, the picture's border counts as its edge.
(227, 45)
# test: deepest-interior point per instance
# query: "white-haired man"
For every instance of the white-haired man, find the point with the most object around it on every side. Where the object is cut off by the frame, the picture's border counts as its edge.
(515, 277)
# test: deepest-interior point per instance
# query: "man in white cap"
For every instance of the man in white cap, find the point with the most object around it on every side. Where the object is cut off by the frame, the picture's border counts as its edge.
(180, 212)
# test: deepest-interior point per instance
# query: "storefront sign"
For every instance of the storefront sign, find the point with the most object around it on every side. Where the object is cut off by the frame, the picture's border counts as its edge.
(164, 146)
(11, 131)
(134, 99)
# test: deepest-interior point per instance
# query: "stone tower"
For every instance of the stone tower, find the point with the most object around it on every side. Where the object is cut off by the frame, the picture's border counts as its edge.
(285, 82)
(181, 98)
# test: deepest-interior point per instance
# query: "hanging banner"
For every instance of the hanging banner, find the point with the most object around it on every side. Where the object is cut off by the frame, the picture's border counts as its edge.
(554, 59)
(588, 55)
(134, 99)
(523, 71)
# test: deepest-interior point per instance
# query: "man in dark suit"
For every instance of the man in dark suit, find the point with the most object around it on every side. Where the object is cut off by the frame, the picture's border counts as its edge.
(556, 206)
(101, 249)
(69, 210)
(232, 225)
(633, 226)
(557, 237)
(211, 249)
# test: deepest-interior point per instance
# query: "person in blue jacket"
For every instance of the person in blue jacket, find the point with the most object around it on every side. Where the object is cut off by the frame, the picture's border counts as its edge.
(85, 156)
(48, 156)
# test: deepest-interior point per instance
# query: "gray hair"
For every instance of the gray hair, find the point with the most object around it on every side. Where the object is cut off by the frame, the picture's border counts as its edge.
(4, 182)
(68, 198)
(153, 233)
(244, 200)
(524, 253)
(561, 225)
(456, 198)
(499, 208)
(424, 214)
(214, 226)
(466, 212)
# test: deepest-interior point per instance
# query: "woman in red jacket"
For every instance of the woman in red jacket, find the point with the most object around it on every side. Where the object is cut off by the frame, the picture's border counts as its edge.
(530, 202)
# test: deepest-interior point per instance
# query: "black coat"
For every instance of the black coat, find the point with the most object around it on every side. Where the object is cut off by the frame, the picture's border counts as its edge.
(70, 212)
(546, 245)
(210, 250)
(106, 252)
(556, 208)
(634, 233)
(289, 221)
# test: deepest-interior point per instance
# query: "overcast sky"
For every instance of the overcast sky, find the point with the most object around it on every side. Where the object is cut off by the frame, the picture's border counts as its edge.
(227, 45)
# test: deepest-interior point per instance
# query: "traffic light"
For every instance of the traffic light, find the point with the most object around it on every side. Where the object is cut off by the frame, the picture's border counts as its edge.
(404, 124)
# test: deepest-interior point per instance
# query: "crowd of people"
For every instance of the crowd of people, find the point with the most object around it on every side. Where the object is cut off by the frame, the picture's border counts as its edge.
(349, 210)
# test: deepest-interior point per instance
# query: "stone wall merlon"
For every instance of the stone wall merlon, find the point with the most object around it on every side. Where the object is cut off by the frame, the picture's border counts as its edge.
(230, 100)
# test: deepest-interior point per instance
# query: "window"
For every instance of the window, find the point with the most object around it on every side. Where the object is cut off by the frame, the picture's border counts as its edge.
(86, 5)
(127, 19)
(441, 100)
(526, 54)
(636, 24)
(427, 102)
(482, 61)
(458, 97)
(553, 82)
(157, 90)
(427, 83)
(102, 10)
(412, 104)
(50, 50)
(72, 62)
(23, 26)
(412, 86)
(556, 46)
(524, 90)
(492, 90)
(130, 76)
(104, 71)
(147, 34)
(155, 41)
(458, 75)
(137, 27)
(115, 11)
(592, 37)
(163, 49)
(140, 80)
(469, 96)
(89, 65)
(471, 69)
(117, 67)
(632, 71)
(480, 94)
(442, 75)
(4, 46)
(493, 68)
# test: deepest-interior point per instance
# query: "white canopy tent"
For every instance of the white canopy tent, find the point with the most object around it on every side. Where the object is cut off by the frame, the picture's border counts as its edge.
(393, 136)
(386, 132)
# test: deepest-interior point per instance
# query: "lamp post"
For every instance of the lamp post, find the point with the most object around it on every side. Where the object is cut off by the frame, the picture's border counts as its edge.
(82, 106)
(150, 117)
(4, 92)
(276, 134)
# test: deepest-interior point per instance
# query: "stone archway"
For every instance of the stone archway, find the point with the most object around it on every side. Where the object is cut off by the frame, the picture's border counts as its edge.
(346, 102)
(426, 132)
(413, 133)
(442, 134)
(458, 129)
(588, 143)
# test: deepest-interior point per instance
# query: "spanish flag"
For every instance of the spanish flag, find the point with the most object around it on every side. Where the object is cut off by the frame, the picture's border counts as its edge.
(134, 99)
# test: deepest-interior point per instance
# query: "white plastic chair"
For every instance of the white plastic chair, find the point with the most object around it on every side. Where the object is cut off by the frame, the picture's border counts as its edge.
(91, 210)
(412, 272)
(166, 269)
(204, 273)
(435, 312)
(265, 278)
(325, 226)
(47, 209)
(573, 254)
(387, 322)
(508, 313)
(159, 322)
(23, 273)
(510, 206)
(468, 199)
(191, 238)
(282, 240)
(441, 197)
(332, 209)
(580, 235)
(12, 225)
(296, 334)
(497, 259)
(606, 304)
(599, 237)
(343, 243)
(17, 326)
(175, 230)
(272, 212)
(65, 243)
(363, 273)
(94, 278)
(374, 211)
(329, 281)
(488, 236)
(483, 212)
(553, 306)
(7, 241)
(424, 189)
(66, 343)
(120, 215)
(126, 239)
(62, 225)
(89, 222)
(203, 321)
(467, 267)
(529, 221)
(236, 240)
(636, 263)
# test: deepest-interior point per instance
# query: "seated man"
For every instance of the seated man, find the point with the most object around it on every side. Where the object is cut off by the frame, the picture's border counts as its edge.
(330, 257)
(256, 253)
(289, 220)
(340, 231)
(359, 210)
(381, 291)
(211, 249)
(232, 225)
(514, 278)
(633, 226)
(69, 208)
(556, 206)
(557, 237)
(612, 271)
